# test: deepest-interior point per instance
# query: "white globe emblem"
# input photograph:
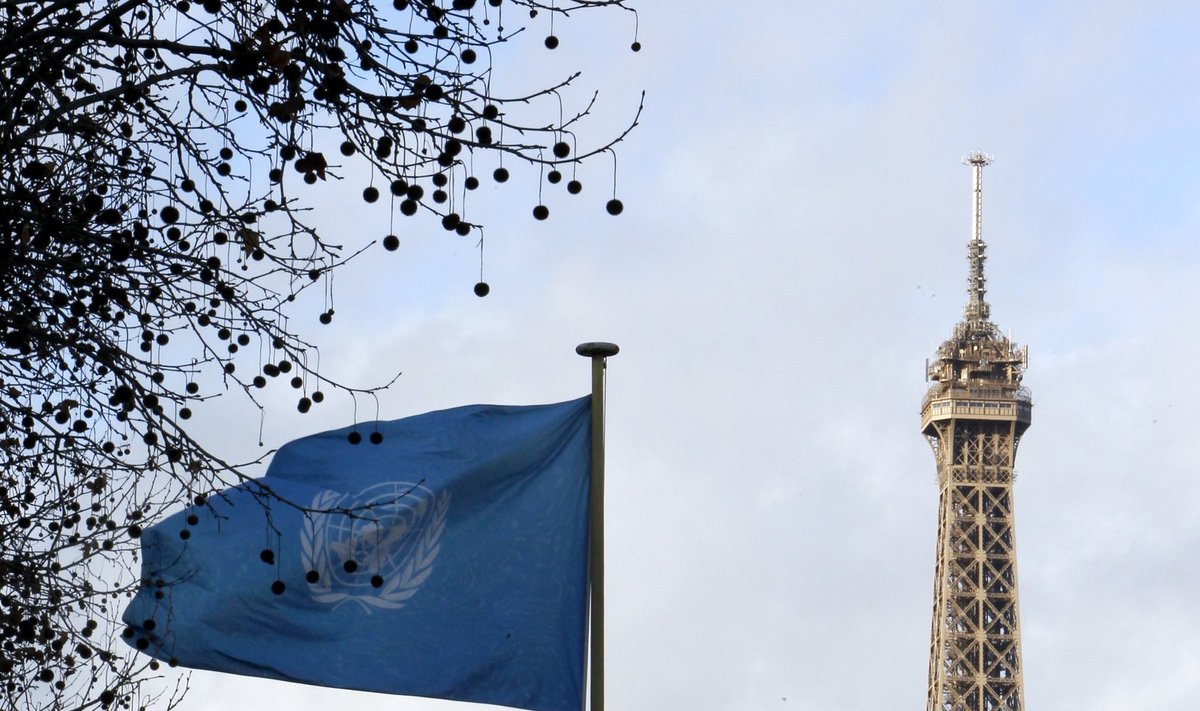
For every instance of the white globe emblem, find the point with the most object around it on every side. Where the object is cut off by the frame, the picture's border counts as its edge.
(380, 553)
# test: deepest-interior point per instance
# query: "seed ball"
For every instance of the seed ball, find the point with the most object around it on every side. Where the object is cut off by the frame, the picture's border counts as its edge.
(260, 381)
(193, 519)
(371, 194)
(541, 212)
(471, 182)
(376, 437)
(188, 185)
(411, 46)
(275, 175)
(325, 318)
(240, 105)
(391, 243)
(456, 124)
(469, 56)
(267, 556)
(574, 187)
(450, 221)
(551, 42)
(500, 175)
(169, 214)
(224, 169)
(277, 587)
(226, 153)
(185, 413)
(614, 207)
(354, 438)
(297, 382)
(408, 207)
(440, 179)
(376, 581)
(310, 178)
(463, 229)
(562, 149)
(482, 289)
(553, 177)
(347, 148)
(636, 46)
(318, 396)
(491, 111)
(135, 531)
(185, 534)
(304, 405)
(440, 196)
(350, 566)
(399, 187)
(312, 576)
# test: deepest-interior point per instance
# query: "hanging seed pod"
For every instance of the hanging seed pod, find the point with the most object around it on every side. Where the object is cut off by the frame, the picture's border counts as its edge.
(383, 148)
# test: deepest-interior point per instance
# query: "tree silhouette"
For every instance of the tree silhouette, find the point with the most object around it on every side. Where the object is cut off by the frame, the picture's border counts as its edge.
(153, 235)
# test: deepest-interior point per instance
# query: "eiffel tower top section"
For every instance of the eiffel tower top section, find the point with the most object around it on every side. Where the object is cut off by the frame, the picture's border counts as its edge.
(976, 374)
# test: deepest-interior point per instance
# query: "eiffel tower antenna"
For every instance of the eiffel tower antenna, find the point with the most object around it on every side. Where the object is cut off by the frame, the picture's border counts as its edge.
(977, 307)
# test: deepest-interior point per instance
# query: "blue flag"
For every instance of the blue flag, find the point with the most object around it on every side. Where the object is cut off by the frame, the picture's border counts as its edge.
(448, 560)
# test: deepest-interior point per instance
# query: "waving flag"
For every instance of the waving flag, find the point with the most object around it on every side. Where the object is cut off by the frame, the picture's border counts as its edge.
(446, 558)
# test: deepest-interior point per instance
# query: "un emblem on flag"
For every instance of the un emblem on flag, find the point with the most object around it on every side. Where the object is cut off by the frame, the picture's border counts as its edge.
(380, 553)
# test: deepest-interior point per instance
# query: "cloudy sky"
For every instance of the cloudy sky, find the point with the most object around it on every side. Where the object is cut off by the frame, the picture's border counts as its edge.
(792, 249)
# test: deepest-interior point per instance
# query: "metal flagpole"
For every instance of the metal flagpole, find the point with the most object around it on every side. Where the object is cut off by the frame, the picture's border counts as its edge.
(598, 352)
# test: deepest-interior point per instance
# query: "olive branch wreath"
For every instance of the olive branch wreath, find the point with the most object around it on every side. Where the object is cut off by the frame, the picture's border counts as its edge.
(400, 588)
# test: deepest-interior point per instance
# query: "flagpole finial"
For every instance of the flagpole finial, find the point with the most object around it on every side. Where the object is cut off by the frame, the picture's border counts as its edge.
(597, 349)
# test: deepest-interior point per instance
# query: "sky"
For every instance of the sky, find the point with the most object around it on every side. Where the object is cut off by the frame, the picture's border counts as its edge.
(793, 247)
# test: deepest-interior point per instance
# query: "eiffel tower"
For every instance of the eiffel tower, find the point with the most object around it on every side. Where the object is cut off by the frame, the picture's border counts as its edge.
(973, 416)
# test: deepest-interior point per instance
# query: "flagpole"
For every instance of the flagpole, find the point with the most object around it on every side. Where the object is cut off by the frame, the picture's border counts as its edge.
(599, 352)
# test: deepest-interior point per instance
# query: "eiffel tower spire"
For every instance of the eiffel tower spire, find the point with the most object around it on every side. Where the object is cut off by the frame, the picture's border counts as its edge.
(977, 308)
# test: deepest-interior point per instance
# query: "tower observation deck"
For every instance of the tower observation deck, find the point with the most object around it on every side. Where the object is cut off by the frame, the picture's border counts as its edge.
(973, 416)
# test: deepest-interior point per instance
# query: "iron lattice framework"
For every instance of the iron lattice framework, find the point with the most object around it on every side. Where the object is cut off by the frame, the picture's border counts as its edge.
(974, 415)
